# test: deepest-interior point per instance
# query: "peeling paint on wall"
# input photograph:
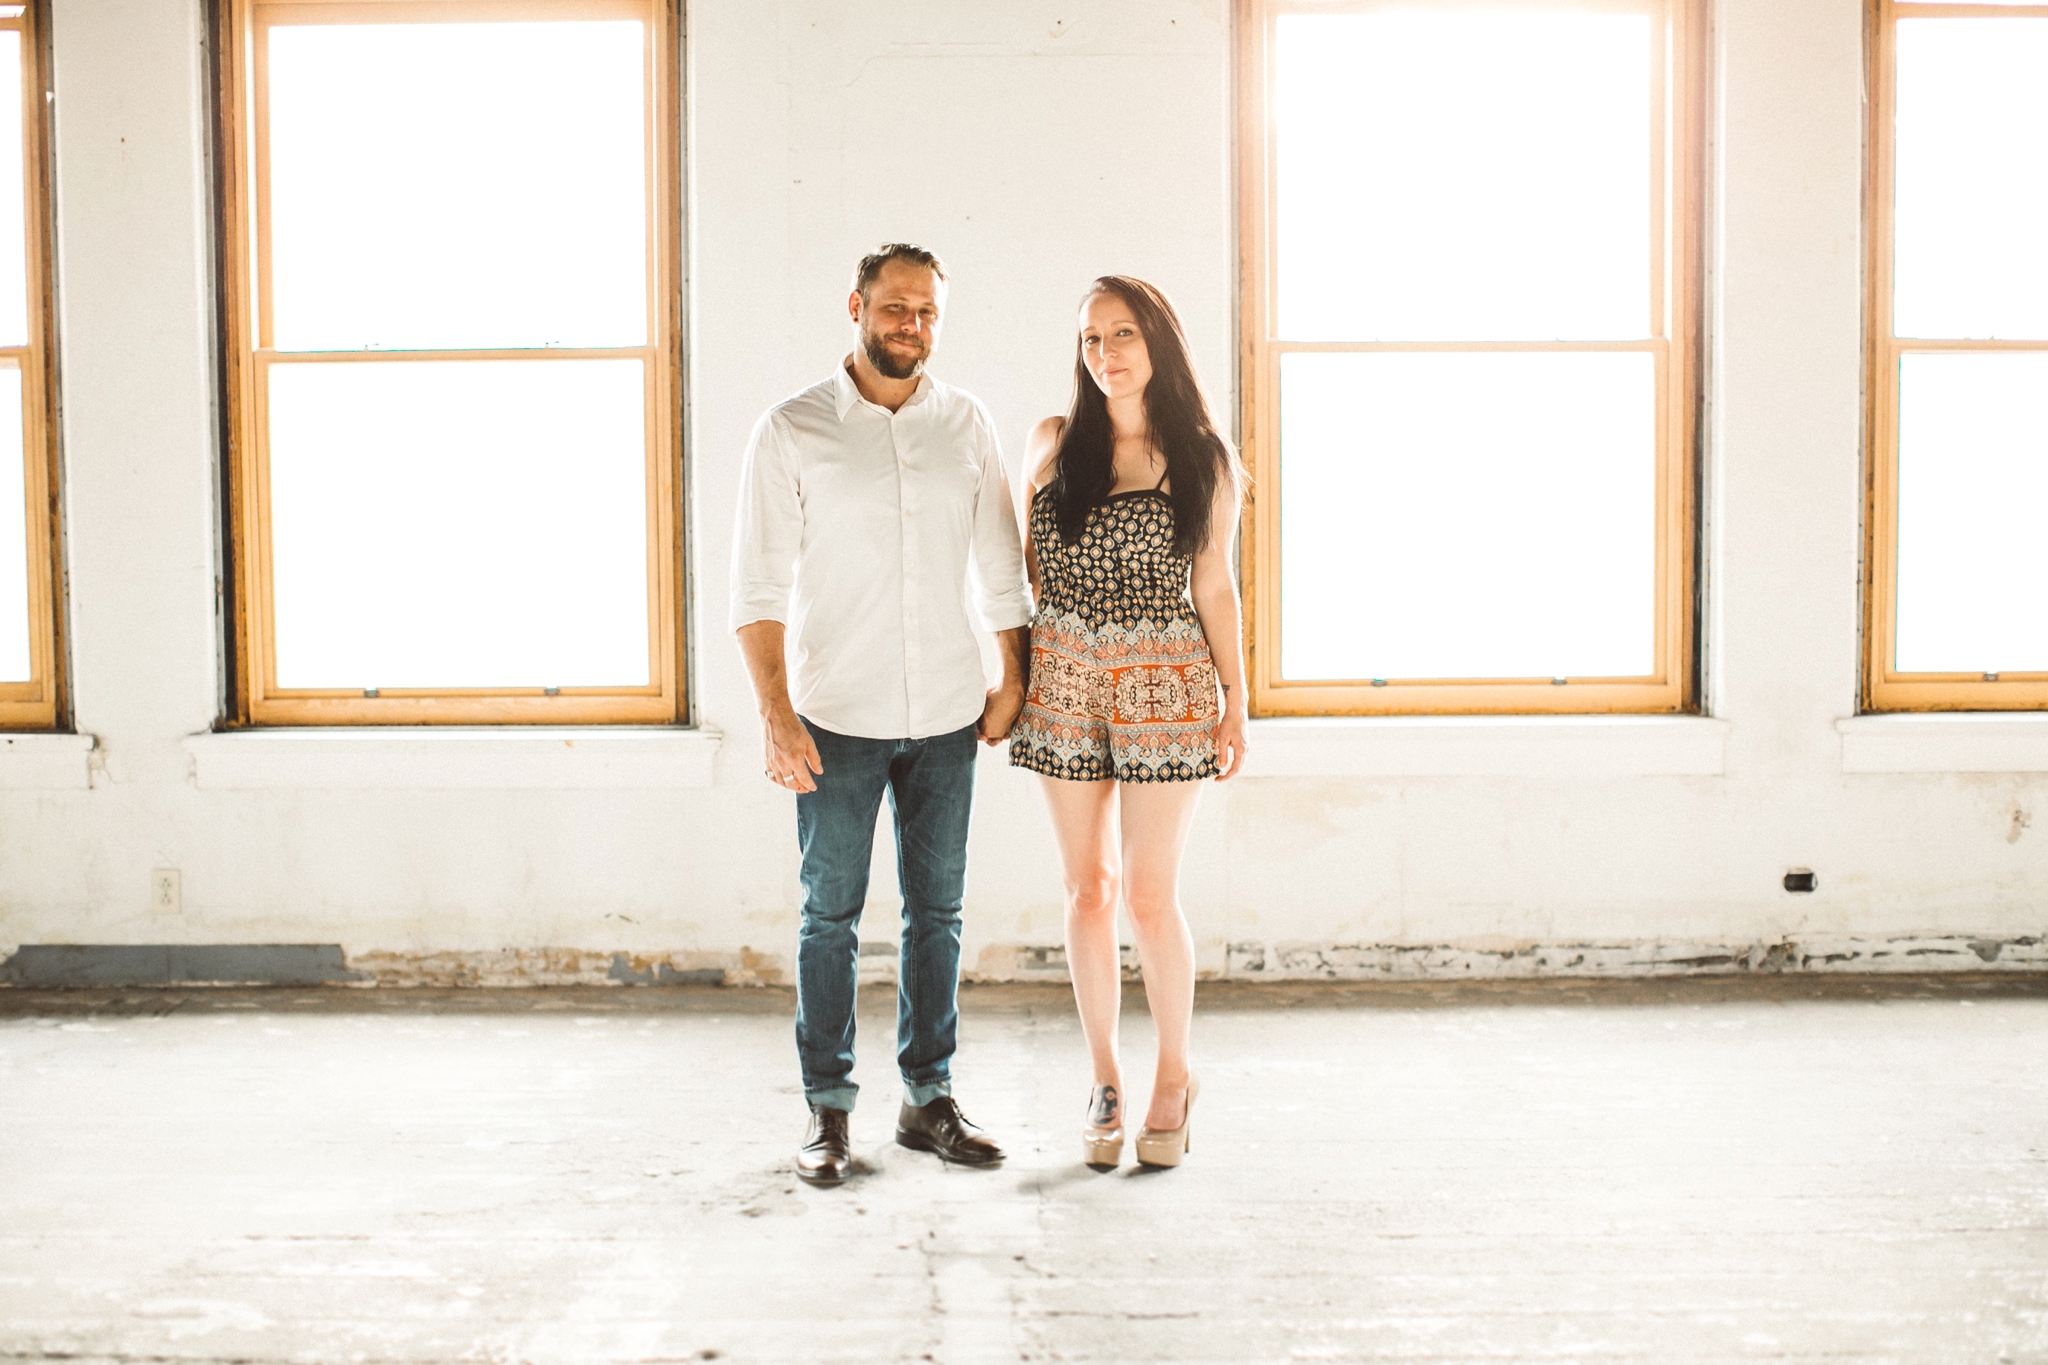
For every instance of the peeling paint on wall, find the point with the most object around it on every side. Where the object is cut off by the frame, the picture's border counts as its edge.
(1040, 962)
(1244, 961)
(571, 967)
(1366, 962)
(1249, 961)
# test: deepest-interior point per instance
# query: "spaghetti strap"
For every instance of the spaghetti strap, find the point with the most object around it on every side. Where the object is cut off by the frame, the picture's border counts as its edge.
(1162, 480)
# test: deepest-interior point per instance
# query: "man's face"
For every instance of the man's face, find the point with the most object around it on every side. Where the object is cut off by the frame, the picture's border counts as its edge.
(899, 318)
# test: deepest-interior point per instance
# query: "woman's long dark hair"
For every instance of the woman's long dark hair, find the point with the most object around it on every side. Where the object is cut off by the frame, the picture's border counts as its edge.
(1176, 409)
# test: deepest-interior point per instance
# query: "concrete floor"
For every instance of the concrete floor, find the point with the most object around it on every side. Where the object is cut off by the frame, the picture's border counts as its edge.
(1761, 1168)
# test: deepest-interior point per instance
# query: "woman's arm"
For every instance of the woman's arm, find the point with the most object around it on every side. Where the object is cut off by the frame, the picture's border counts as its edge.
(1041, 450)
(1214, 589)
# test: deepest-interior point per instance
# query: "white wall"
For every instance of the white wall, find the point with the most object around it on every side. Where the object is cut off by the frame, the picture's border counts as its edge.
(1034, 146)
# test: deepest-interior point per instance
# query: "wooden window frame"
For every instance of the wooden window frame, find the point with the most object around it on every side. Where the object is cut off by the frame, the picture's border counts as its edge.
(41, 702)
(1677, 177)
(1884, 687)
(253, 698)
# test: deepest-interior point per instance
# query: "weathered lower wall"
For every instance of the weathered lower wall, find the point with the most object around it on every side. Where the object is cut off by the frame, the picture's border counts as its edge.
(65, 966)
(1034, 146)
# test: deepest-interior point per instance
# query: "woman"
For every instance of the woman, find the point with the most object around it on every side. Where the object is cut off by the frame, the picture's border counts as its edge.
(1133, 510)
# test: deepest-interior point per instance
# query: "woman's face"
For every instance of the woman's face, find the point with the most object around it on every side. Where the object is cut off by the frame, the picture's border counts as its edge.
(1113, 347)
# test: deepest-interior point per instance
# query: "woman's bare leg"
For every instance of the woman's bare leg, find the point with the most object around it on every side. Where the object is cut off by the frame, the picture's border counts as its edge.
(1084, 826)
(1156, 818)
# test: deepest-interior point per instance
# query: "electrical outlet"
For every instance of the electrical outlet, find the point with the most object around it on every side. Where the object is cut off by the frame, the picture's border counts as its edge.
(166, 897)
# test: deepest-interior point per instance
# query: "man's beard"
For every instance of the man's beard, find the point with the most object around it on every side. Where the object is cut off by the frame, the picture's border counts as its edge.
(890, 364)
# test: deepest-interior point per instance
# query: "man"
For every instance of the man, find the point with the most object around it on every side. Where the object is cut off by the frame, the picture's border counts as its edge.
(864, 503)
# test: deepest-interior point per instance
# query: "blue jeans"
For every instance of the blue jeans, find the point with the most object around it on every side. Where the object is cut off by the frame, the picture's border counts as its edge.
(931, 790)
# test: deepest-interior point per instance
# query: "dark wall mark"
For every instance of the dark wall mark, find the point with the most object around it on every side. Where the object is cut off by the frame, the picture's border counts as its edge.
(167, 964)
(662, 974)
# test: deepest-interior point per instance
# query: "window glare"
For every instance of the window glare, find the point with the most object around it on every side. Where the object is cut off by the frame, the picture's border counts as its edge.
(458, 185)
(1972, 495)
(1479, 175)
(1467, 515)
(459, 523)
(1972, 197)
(14, 612)
(13, 204)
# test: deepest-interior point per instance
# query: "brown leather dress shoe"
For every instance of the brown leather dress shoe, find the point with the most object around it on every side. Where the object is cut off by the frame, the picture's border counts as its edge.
(825, 1158)
(940, 1127)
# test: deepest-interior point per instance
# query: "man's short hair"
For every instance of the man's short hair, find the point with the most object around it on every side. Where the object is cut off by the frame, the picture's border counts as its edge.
(870, 266)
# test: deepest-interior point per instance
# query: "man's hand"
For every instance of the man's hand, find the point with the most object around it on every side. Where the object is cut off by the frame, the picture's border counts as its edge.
(792, 757)
(1005, 701)
(999, 713)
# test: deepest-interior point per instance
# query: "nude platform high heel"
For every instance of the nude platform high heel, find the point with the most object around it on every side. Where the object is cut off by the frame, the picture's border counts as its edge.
(1102, 1141)
(1165, 1146)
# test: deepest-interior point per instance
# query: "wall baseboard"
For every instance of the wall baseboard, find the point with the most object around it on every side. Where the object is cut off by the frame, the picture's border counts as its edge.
(64, 966)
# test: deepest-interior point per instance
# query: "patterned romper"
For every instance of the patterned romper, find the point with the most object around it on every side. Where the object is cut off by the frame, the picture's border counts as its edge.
(1122, 684)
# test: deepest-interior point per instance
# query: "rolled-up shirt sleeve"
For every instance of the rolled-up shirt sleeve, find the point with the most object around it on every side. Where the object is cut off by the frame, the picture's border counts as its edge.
(769, 529)
(1002, 592)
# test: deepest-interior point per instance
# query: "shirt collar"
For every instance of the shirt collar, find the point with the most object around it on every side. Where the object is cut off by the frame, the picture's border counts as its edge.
(845, 394)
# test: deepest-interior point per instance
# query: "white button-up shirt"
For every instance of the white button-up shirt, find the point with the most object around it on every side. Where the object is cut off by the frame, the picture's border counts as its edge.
(858, 529)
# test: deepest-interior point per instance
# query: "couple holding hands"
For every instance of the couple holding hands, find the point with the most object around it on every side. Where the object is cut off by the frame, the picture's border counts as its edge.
(869, 504)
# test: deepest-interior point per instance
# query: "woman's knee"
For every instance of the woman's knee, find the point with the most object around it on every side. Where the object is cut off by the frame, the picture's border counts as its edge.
(1093, 897)
(1153, 906)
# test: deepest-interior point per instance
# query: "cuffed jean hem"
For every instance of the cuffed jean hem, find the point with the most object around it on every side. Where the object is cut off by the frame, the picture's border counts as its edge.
(918, 1096)
(834, 1099)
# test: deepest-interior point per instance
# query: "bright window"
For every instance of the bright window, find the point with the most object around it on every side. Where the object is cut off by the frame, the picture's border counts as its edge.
(1959, 358)
(1470, 296)
(457, 389)
(29, 674)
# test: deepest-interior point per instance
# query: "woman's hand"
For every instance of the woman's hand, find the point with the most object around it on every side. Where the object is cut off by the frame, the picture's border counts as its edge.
(1213, 586)
(1231, 745)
